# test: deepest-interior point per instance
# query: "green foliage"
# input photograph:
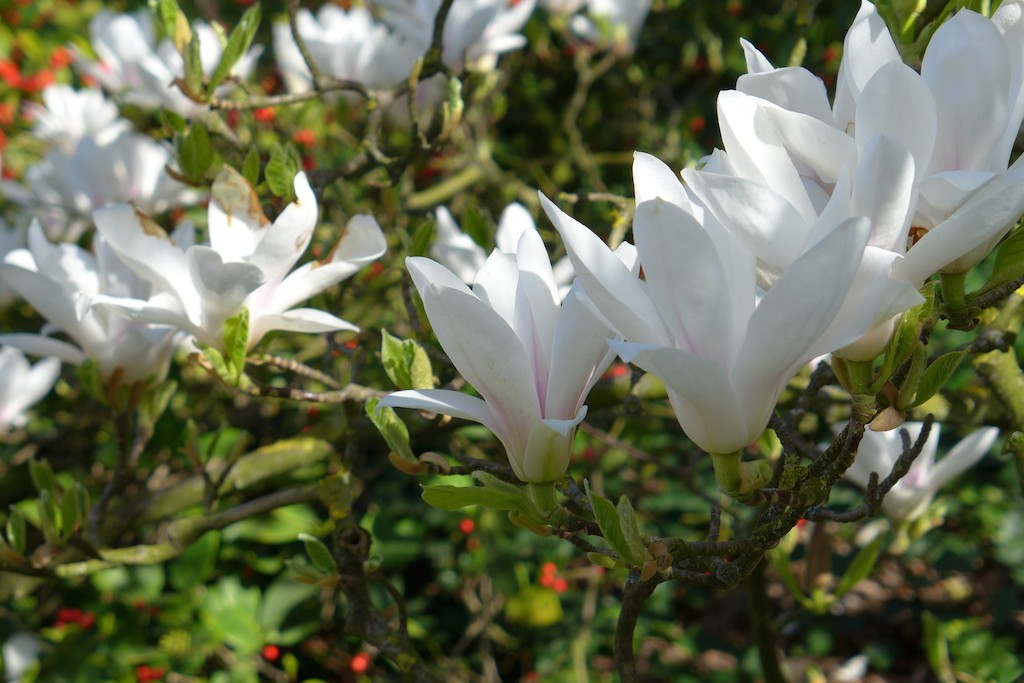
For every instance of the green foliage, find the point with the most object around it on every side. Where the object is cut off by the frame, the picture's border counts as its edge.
(237, 45)
(406, 362)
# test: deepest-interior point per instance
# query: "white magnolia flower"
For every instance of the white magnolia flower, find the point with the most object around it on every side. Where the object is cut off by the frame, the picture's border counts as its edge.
(20, 652)
(615, 23)
(346, 44)
(457, 251)
(133, 65)
(910, 497)
(198, 288)
(531, 358)
(948, 132)
(475, 31)
(59, 280)
(22, 385)
(65, 188)
(67, 116)
(695, 320)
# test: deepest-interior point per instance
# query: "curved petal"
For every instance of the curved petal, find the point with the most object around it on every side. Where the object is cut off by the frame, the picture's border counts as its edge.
(40, 345)
(866, 48)
(515, 220)
(235, 219)
(897, 103)
(296, 320)
(283, 242)
(548, 449)
(883, 191)
(786, 328)
(446, 402)
(615, 290)
(968, 451)
(653, 178)
(705, 401)
(793, 88)
(973, 109)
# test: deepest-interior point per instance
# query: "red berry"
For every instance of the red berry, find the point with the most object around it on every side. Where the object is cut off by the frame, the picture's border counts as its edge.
(271, 653)
(265, 115)
(360, 663)
(467, 526)
(304, 137)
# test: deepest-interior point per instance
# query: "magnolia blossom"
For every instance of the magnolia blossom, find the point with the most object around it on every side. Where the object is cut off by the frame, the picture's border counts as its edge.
(346, 44)
(59, 280)
(948, 134)
(197, 288)
(66, 187)
(475, 31)
(22, 385)
(457, 251)
(133, 65)
(695, 320)
(612, 22)
(67, 116)
(531, 358)
(909, 498)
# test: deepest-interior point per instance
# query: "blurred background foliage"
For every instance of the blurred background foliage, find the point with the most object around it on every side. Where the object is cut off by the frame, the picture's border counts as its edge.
(485, 600)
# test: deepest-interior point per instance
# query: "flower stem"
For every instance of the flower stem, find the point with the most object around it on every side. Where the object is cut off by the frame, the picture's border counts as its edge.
(954, 299)
(543, 496)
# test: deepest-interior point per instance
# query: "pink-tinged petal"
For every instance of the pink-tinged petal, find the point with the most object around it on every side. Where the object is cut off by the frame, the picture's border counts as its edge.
(967, 67)
(236, 222)
(941, 194)
(145, 248)
(482, 347)
(770, 226)
(285, 240)
(653, 178)
(784, 331)
(362, 242)
(897, 103)
(615, 291)
(968, 451)
(757, 151)
(548, 449)
(579, 356)
(296, 320)
(705, 402)
(39, 345)
(965, 238)
(685, 280)
(867, 48)
(535, 317)
(883, 191)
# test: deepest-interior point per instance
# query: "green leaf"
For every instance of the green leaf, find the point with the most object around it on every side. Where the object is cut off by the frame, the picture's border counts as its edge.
(82, 500)
(16, 530)
(48, 516)
(172, 121)
(319, 554)
(90, 376)
(1009, 263)
(391, 428)
(611, 526)
(937, 649)
(237, 45)
(908, 390)
(251, 166)
(230, 613)
(156, 400)
(42, 476)
(280, 172)
(236, 343)
(780, 559)
(195, 566)
(196, 153)
(936, 375)
(862, 565)
(422, 238)
(69, 519)
(907, 336)
(451, 498)
(405, 362)
(194, 65)
(631, 529)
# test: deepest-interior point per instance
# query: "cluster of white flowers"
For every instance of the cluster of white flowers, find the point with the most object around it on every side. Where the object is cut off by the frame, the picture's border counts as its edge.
(612, 23)
(810, 233)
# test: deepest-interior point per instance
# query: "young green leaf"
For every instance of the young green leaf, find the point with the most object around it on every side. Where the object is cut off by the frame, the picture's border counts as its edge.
(251, 166)
(451, 498)
(1009, 263)
(42, 476)
(631, 529)
(611, 526)
(936, 375)
(236, 340)
(194, 66)
(860, 568)
(16, 530)
(280, 172)
(238, 44)
(391, 428)
(319, 555)
(196, 153)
